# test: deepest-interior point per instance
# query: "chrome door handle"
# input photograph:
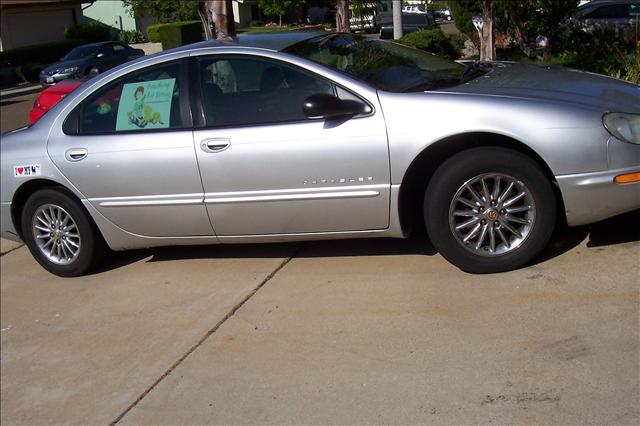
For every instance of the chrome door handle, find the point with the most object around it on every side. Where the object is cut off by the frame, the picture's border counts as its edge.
(215, 145)
(76, 154)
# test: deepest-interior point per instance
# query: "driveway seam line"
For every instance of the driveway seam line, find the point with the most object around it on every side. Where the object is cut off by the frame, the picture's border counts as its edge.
(10, 250)
(215, 328)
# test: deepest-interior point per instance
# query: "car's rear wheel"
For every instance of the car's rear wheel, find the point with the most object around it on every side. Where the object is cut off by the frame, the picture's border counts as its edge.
(60, 234)
(489, 210)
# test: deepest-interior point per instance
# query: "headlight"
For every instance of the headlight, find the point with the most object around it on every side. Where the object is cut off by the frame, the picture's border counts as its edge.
(625, 127)
(69, 70)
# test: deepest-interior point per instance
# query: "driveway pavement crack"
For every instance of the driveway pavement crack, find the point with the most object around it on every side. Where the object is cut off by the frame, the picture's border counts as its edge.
(11, 249)
(215, 328)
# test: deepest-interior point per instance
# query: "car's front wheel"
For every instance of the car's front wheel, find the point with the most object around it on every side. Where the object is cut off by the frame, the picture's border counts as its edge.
(489, 210)
(59, 233)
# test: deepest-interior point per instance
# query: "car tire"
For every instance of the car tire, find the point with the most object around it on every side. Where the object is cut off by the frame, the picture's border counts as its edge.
(60, 234)
(489, 210)
(93, 72)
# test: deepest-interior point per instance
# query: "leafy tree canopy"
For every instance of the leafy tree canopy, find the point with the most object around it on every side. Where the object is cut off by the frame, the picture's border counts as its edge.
(276, 7)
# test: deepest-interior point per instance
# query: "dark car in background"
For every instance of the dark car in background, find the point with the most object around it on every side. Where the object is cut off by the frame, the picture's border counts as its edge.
(411, 22)
(89, 59)
(444, 14)
(614, 15)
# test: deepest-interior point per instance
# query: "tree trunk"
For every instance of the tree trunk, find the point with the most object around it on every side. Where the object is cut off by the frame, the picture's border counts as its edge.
(218, 13)
(342, 16)
(487, 52)
(207, 25)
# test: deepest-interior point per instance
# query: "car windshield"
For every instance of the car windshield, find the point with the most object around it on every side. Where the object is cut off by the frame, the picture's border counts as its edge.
(385, 65)
(80, 52)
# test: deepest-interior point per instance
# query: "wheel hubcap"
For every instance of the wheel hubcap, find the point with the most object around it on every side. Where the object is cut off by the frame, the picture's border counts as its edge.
(56, 234)
(492, 214)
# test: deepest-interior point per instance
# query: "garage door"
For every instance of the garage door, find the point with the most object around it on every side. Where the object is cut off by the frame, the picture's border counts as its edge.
(38, 27)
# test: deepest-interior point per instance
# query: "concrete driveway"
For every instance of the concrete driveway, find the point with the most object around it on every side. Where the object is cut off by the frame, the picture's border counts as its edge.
(343, 332)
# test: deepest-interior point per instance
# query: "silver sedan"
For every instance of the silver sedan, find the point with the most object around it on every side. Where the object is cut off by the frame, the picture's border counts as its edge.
(303, 136)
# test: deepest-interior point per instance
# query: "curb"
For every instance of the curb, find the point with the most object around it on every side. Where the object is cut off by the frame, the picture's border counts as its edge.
(21, 91)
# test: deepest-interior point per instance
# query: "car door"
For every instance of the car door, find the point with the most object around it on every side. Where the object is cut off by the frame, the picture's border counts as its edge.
(267, 169)
(121, 54)
(105, 58)
(128, 148)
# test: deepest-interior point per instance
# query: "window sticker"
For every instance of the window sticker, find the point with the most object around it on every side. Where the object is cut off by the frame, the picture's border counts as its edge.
(145, 105)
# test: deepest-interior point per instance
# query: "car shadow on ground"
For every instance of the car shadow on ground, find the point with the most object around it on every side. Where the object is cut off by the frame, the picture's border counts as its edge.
(7, 102)
(617, 230)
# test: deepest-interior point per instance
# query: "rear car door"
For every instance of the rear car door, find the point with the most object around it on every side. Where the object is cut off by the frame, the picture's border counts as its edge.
(267, 169)
(128, 148)
(121, 53)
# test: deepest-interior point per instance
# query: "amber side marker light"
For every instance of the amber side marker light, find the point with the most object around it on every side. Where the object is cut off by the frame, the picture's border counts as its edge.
(628, 178)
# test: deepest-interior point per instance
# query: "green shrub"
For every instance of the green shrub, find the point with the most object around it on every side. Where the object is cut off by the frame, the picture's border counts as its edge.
(91, 31)
(180, 33)
(434, 41)
(256, 24)
(29, 72)
(131, 36)
(46, 53)
(153, 33)
(457, 40)
(600, 51)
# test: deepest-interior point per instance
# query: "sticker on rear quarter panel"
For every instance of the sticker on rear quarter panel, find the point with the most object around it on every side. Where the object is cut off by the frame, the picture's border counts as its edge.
(27, 170)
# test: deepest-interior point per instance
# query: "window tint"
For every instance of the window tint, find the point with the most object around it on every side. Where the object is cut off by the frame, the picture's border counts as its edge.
(237, 91)
(118, 48)
(143, 100)
(384, 65)
(106, 50)
(610, 12)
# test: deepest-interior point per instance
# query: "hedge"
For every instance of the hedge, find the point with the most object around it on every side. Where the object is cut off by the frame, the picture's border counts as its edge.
(153, 33)
(180, 33)
(434, 41)
(46, 53)
(91, 31)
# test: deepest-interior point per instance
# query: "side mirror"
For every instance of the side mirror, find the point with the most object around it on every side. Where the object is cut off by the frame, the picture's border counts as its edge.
(328, 106)
(100, 55)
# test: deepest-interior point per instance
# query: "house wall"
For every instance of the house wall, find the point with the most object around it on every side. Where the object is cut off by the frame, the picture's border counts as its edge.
(242, 12)
(26, 23)
(112, 13)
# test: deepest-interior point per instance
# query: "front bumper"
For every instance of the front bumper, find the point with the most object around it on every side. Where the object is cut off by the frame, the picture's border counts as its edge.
(591, 197)
(50, 80)
(7, 230)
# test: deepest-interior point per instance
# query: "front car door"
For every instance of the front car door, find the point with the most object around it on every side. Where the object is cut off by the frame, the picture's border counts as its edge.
(105, 58)
(128, 148)
(267, 169)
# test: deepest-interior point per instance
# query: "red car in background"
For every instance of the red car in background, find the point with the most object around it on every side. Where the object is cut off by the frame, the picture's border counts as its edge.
(51, 96)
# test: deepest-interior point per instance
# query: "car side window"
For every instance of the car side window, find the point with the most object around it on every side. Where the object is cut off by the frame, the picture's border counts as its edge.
(140, 101)
(106, 50)
(118, 48)
(243, 91)
(610, 12)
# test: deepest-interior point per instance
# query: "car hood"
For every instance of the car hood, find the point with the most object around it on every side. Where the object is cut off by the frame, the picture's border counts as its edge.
(555, 84)
(65, 64)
